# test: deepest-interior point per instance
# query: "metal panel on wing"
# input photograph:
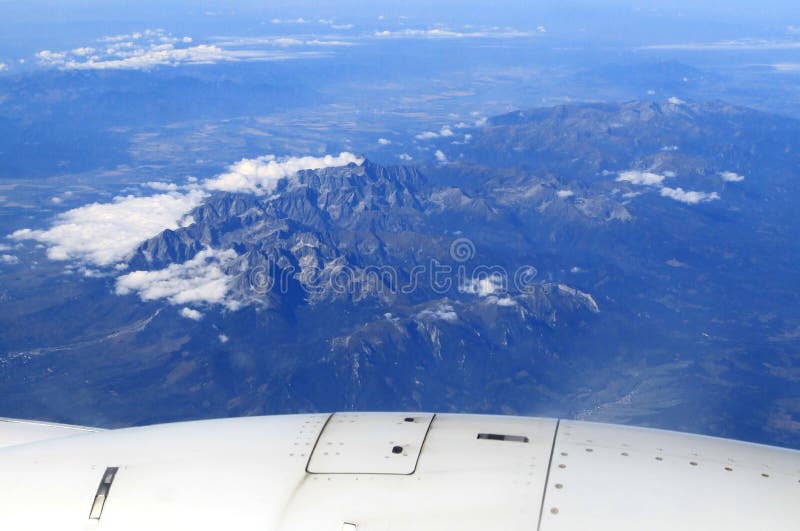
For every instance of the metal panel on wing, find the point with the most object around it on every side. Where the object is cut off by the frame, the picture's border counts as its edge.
(370, 443)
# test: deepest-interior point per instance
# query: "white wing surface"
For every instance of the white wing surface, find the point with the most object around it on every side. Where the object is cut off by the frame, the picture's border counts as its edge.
(391, 471)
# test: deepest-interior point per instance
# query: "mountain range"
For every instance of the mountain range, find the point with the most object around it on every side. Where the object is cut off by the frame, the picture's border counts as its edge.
(630, 262)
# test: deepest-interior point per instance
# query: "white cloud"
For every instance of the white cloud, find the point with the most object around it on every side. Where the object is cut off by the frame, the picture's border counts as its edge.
(223, 338)
(152, 48)
(191, 313)
(563, 194)
(654, 179)
(155, 55)
(384, 141)
(281, 42)
(729, 45)
(642, 178)
(298, 20)
(105, 233)
(284, 42)
(689, 197)
(261, 175)
(439, 33)
(731, 177)
(124, 37)
(405, 157)
(441, 157)
(199, 280)
(342, 26)
(162, 187)
(48, 58)
(787, 67)
(427, 135)
(3, 66)
(506, 302)
(484, 285)
(331, 42)
(8, 259)
(675, 101)
(444, 312)
(445, 131)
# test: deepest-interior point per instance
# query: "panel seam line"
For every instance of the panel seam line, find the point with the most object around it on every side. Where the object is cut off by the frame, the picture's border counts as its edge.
(547, 475)
(319, 436)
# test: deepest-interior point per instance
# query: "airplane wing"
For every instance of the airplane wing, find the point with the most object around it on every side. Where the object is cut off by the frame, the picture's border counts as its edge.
(14, 431)
(392, 472)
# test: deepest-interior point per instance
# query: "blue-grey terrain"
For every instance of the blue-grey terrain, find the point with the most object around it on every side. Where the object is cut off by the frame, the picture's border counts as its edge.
(392, 213)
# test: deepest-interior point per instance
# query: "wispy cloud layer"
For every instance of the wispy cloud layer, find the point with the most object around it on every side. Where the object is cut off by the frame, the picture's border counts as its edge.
(322, 21)
(427, 135)
(443, 312)
(137, 58)
(484, 286)
(731, 177)
(493, 289)
(730, 45)
(689, 197)
(642, 178)
(280, 42)
(261, 175)
(787, 67)
(445, 132)
(153, 48)
(442, 33)
(298, 20)
(106, 233)
(200, 280)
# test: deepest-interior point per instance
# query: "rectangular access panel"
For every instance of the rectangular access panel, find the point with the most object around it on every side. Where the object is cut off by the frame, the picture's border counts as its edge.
(370, 443)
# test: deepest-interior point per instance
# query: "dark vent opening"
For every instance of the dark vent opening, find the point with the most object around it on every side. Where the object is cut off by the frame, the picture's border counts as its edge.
(102, 492)
(500, 437)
